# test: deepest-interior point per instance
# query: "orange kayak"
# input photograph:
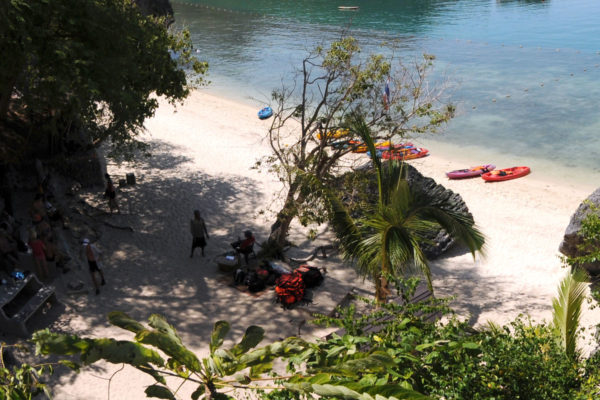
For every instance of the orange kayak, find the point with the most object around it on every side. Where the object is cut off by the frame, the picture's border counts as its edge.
(505, 174)
(408, 153)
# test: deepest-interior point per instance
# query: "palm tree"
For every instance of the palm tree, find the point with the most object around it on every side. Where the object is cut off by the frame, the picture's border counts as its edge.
(389, 239)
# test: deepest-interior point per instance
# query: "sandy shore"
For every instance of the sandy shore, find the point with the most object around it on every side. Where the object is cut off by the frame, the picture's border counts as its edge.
(203, 154)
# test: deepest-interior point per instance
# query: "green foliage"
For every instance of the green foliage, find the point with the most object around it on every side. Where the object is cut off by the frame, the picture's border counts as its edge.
(454, 361)
(391, 351)
(24, 381)
(94, 67)
(387, 238)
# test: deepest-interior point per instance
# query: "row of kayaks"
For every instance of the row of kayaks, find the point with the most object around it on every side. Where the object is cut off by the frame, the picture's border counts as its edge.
(385, 150)
(407, 151)
(489, 173)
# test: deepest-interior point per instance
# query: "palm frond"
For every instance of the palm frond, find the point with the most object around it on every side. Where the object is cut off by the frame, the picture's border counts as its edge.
(567, 309)
(360, 127)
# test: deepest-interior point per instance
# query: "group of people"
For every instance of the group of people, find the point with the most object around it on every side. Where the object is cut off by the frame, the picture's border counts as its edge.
(200, 236)
(42, 238)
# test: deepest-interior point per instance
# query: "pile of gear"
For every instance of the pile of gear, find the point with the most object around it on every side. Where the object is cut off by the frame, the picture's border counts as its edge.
(290, 285)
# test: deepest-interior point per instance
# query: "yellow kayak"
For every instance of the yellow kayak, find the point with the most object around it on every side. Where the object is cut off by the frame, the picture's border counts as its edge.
(335, 134)
(363, 147)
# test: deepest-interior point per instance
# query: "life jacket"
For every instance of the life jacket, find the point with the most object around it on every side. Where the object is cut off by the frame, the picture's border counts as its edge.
(289, 289)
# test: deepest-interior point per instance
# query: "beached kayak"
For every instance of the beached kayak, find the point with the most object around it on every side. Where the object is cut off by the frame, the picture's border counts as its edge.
(397, 146)
(265, 113)
(338, 133)
(409, 153)
(505, 174)
(362, 148)
(470, 172)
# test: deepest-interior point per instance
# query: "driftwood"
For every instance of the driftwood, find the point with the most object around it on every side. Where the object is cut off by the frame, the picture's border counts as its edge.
(315, 253)
(99, 212)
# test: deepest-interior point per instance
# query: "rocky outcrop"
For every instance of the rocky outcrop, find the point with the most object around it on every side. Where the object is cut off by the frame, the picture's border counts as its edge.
(157, 8)
(572, 238)
(440, 240)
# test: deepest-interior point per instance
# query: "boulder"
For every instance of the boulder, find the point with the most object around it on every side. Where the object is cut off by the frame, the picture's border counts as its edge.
(441, 241)
(572, 239)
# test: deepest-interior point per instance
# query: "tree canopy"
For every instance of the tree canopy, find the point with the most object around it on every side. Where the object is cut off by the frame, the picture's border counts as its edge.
(96, 66)
(310, 134)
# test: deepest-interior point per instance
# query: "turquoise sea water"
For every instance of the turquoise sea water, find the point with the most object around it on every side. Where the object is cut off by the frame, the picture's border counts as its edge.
(526, 73)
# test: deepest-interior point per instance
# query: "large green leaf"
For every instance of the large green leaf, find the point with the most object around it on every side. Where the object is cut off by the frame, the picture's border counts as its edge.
(275, 350)
(120, 351)
(218, 335)
(160, 392)
(122, 320)
(92, 350)
(159, 323)
(253, 336)
(171, 346)
(377, 361)
(47, 342)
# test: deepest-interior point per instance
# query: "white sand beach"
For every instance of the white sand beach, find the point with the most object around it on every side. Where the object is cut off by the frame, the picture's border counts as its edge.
(203, 154)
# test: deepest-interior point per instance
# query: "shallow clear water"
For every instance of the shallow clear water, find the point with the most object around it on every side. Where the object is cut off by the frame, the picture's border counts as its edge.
(527, 73)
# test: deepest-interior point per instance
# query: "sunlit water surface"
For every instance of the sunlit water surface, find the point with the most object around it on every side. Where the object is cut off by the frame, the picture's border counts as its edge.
(526, 74)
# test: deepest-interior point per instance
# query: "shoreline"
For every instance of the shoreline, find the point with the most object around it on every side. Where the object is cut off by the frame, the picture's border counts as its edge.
(457, 156)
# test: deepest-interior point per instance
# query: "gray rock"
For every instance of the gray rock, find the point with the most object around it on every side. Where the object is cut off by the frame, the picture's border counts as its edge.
(441, 241)
(572, 238)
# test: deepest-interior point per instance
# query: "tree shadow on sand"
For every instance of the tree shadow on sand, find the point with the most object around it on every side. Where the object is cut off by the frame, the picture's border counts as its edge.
(456, 274)
(150, 271)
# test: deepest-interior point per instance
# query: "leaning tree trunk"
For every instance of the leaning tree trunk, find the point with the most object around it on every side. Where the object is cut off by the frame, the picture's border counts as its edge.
(280, 229)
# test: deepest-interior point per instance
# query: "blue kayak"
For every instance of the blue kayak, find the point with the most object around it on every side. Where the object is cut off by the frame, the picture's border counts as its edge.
(265, 113)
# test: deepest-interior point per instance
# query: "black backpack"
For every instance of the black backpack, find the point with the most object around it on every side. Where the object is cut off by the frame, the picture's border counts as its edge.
(238, 276)
(311, 276)
(255, 284)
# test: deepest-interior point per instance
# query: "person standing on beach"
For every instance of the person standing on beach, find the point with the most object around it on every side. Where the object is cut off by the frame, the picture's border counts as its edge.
(111, 194)
(199, 233)
(92, 255)
(39, 256)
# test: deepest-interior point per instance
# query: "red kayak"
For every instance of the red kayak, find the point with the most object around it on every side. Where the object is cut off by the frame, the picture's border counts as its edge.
(470, 172)
(506, 174)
